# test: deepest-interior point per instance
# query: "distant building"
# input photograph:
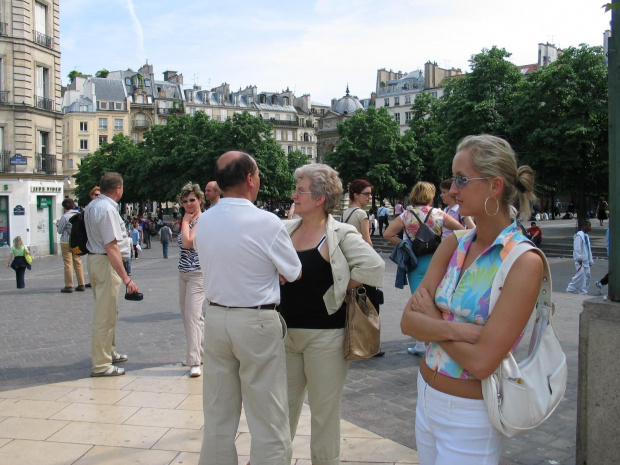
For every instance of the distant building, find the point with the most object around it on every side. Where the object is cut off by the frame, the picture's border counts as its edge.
(31, 175)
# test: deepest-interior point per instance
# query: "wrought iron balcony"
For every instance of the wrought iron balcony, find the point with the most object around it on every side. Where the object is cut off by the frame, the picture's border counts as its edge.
(43, 103)
(5, 161)
(280, 122)
(4, 97)
(46, 163)
(141, 124)
(42, 39)
(169, 111)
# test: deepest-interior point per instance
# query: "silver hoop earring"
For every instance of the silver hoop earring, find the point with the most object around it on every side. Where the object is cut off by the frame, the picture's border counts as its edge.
(485, 206)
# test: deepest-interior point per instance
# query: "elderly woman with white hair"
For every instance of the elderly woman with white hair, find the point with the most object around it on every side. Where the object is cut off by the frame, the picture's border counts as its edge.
(334, 258)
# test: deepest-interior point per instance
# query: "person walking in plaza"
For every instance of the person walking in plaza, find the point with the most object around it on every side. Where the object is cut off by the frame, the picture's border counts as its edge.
(17, 261)
(334, 258)
(191, 286)
(249, 253)
(398, 209)
(108, 245)
(135, 240)
(421, 201)
(146, 226)
(450, 309)
(70, 260)
(212, 193)
(382, 216)
(165, 237)
(582, 255)
(601, 210)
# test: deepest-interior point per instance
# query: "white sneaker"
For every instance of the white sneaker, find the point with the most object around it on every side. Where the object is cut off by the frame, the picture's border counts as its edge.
(195, 371)
(599, 286)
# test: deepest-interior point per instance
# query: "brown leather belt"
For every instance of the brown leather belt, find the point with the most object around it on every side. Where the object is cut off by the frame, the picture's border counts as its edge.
(466, 388)
(258, 307)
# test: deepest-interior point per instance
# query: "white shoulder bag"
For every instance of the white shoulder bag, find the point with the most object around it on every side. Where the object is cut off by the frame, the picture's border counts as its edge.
(520, 396)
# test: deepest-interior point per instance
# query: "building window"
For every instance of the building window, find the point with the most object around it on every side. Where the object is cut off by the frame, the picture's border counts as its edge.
(397, 117)
(434, 94)
(70, 163)
(396, 100)
(118, 106)
(103, 140)
(407, 99)
(289, 135)
(266, 115)
(290, 148)
(103, 105)
(83, 144)
(139, 98)
(83, 126)
(147, 83)
(42, 87)
(135, 137)
(41, 36)
(309, 151)
(278, 134)
(408, 116)
(118, 124)
(303, 150)
(277, 117)
(386, 102)
(127, 81)
(289, 117)
(43, 142)
(103, 123)
(306, 137)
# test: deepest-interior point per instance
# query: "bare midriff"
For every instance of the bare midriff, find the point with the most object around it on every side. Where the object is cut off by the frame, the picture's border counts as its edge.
(466, 388)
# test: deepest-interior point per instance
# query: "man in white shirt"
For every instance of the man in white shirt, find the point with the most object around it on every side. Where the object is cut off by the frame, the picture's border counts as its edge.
(245, 252)
(107, 244)
(582, 254)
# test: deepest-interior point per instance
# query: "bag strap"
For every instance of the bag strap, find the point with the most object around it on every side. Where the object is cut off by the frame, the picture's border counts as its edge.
(352, 211)
(417, 217)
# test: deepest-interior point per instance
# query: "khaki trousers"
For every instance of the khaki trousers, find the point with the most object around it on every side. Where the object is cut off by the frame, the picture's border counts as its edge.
(106, 285)
(71, 261)
(191, 298)
(315, 363)
(244, 360)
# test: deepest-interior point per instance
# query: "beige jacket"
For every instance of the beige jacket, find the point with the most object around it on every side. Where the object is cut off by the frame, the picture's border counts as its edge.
(351, 258)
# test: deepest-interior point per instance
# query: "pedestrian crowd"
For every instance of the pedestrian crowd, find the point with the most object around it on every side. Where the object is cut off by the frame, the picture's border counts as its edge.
(263, 301)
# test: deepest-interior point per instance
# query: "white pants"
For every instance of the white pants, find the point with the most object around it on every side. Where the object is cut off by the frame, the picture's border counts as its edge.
(244, 360)
(452, 430)
(191, 298)
(315, 362)
(581, 280)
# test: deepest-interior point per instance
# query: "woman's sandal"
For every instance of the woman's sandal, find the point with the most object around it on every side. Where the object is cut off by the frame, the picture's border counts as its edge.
(118, 358)
(112, 371)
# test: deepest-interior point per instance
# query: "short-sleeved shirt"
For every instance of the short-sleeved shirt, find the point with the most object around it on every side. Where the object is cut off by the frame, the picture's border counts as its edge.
(452, 212)
(467, 299)
(18, 252)
(247, 248)
(104, 225)
(435, 220)
(354, 216)
(188, 258)
(64, 226)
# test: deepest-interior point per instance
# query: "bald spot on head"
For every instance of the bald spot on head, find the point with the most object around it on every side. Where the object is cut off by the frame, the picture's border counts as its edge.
(227, 158)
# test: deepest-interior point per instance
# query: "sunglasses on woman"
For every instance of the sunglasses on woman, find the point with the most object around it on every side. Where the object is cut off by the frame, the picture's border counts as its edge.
(188, 200)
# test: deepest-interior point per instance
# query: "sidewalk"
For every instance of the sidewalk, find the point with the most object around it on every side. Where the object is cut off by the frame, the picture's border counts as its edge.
(52, 409)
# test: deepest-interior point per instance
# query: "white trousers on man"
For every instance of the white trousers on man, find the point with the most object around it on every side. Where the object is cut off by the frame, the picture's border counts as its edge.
(581, 280)
(244, 361)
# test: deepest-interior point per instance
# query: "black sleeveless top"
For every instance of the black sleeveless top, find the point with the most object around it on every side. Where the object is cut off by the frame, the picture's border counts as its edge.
(301, 302)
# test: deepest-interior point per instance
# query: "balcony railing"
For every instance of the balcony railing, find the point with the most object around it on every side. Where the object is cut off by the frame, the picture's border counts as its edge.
(141, 124)
(280, 122)
(3, 29)
(169, 111)
(42, 39)
(46, 163)
(43, 103)
(5, 161)
(4, 97)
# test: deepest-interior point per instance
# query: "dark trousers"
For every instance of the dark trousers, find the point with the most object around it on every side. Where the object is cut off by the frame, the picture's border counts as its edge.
(147, 238)
(605, 280)
(20, 273)
(383, 220)
(164, 246)
(135, 251)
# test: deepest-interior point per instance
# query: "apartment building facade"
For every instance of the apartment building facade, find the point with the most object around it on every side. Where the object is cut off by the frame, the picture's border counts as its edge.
(31, 173)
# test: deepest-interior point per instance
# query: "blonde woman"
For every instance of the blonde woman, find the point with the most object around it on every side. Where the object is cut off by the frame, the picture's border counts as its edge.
(191, 287)
(17, 261)
(450, 308)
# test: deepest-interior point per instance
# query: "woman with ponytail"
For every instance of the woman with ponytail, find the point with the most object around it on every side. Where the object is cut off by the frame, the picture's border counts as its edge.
(450, 309)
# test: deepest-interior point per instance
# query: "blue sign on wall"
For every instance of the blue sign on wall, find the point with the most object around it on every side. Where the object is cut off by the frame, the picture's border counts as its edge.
(18, 159)
(19, 210)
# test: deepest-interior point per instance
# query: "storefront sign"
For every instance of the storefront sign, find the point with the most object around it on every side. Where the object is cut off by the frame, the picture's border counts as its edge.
(19, 210)
(6, 188)
(45, 189)
(18, 159)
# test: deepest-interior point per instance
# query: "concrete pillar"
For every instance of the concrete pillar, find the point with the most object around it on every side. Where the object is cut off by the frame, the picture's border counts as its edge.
(598, 400)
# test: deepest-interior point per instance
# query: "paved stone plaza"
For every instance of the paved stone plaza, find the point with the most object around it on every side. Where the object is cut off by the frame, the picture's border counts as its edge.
(45, 340)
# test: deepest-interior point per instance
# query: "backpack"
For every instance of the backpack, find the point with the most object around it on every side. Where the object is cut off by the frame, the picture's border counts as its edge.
(78, 237)
(426, 240)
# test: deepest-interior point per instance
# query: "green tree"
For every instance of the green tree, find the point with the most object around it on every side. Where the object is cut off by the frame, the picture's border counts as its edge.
(372, 148)
(75, 73)
(561, 124)
(481, 102)
(102, 73)
(427, 132)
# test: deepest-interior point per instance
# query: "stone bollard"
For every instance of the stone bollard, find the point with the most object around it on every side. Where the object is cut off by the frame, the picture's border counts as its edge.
(598, 400)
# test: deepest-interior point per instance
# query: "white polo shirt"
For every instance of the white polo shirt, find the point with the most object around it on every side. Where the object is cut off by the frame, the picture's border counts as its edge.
(104, 225)
(242, 250)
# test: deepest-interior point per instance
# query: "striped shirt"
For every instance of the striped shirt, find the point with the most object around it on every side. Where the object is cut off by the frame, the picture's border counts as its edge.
(64, 227)
(188, 258)
(104, 225)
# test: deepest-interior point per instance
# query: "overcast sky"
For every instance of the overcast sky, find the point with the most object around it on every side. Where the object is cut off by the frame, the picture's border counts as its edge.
(312, 46)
